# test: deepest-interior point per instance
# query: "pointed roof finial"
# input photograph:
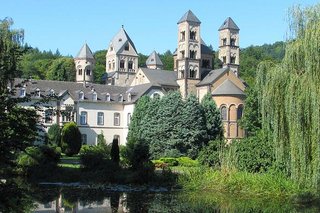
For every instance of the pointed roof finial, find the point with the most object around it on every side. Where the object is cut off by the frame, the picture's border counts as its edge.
(229, 24)
(122, 26)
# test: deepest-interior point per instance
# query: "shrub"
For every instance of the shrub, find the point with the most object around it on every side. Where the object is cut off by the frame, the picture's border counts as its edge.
(170, 161)
(54, 135)
(42, 156)
(210, 154)
(94, 157)
(187, 162)
(71, 139)
(136, 153)
(115, 152)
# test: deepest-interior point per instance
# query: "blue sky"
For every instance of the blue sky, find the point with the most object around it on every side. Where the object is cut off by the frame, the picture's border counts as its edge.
(152, 25)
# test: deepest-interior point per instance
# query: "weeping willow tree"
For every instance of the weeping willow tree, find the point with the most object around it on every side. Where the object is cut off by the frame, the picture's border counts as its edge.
(289, 99)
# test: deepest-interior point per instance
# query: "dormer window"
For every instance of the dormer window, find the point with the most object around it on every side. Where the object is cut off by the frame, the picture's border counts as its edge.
(126, 47)
(120, 39)
(51, 92)
(107, 97)
(22, 92)
(94, 96)
(156, 95)
(129, 97)
(37, 93)
(120, 99)
(81, 95)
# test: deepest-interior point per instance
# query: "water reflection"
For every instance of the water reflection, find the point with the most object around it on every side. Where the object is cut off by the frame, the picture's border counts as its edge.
(23, 197)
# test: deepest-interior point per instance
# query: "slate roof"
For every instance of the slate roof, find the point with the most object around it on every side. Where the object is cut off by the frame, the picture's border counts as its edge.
(154, 59)
(205, 49)
(60, 88)
(161, 77)
(212, 76)
(120, 39)
(228, 88)
(229, 24)
(189, 17)
(85, 53)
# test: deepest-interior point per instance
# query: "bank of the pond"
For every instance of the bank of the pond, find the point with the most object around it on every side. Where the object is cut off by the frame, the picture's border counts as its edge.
(245, 184)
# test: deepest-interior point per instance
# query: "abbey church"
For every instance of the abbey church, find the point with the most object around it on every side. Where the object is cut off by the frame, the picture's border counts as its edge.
(107, 108)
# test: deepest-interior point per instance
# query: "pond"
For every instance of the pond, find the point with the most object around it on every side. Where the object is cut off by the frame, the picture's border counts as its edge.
(24, 197)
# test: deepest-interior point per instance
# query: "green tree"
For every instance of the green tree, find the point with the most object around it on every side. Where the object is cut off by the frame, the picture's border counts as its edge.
(54, 135)
(136, 153)
(100, 67)
(115, 151)
(251, 120)
(167, 60)
(289, 100)
(18, 125)
(62, 69)
(212, 118)
(70, 139)
(142, 60)
(101, 141)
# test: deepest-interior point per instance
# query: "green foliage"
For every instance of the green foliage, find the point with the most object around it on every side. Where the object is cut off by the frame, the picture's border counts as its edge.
(136, 153)
(100, 66)
(187, 162)
(254, 154)
(251, 119)
(171, 126)
(94, 157)
(18, 125)
(62, 69)
(170, 161)
(290, 104)
(167, 60)
(35, 157)
(142, 60)
(54, 135)
(212, 118)
(250, 58)
(70, 139)
(211, 154)
(115, 152)
(101, 141)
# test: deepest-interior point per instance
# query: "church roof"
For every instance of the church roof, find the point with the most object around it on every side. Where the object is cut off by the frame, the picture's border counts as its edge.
(161, 77)
(120, 39)
(154, 59)
(229, 24)
(85, 53)
(228, 88)
(205, 49)
(189, 17)
(212, 76)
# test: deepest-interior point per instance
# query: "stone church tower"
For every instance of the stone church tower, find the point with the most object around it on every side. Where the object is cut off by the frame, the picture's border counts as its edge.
(187, 61)
(84, 63)
(121, 60)
(229, 51)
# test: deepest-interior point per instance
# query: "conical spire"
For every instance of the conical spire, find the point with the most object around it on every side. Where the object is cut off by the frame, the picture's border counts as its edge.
(229, 24)
(85, 53)
(154, 59)
(189, 17)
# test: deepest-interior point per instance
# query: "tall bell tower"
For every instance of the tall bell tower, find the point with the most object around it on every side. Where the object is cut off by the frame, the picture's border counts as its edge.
(84, 62)
(187, 62)
(229, 51)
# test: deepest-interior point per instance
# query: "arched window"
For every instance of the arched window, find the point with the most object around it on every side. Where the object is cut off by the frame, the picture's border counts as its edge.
(193, 35)
(88, 72)
(116, 119)
(80, 72)
(121, 64)
(233, 42)
(239, 112)
(193, 54)
(83, 118)
(100, 119)
(94, 96)
(81, 95)
(120, 98)
(113, 65)
(192, 73)
(223, 113)
(232, 59)
(107, 97)
(109, 65)
(51, 92)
